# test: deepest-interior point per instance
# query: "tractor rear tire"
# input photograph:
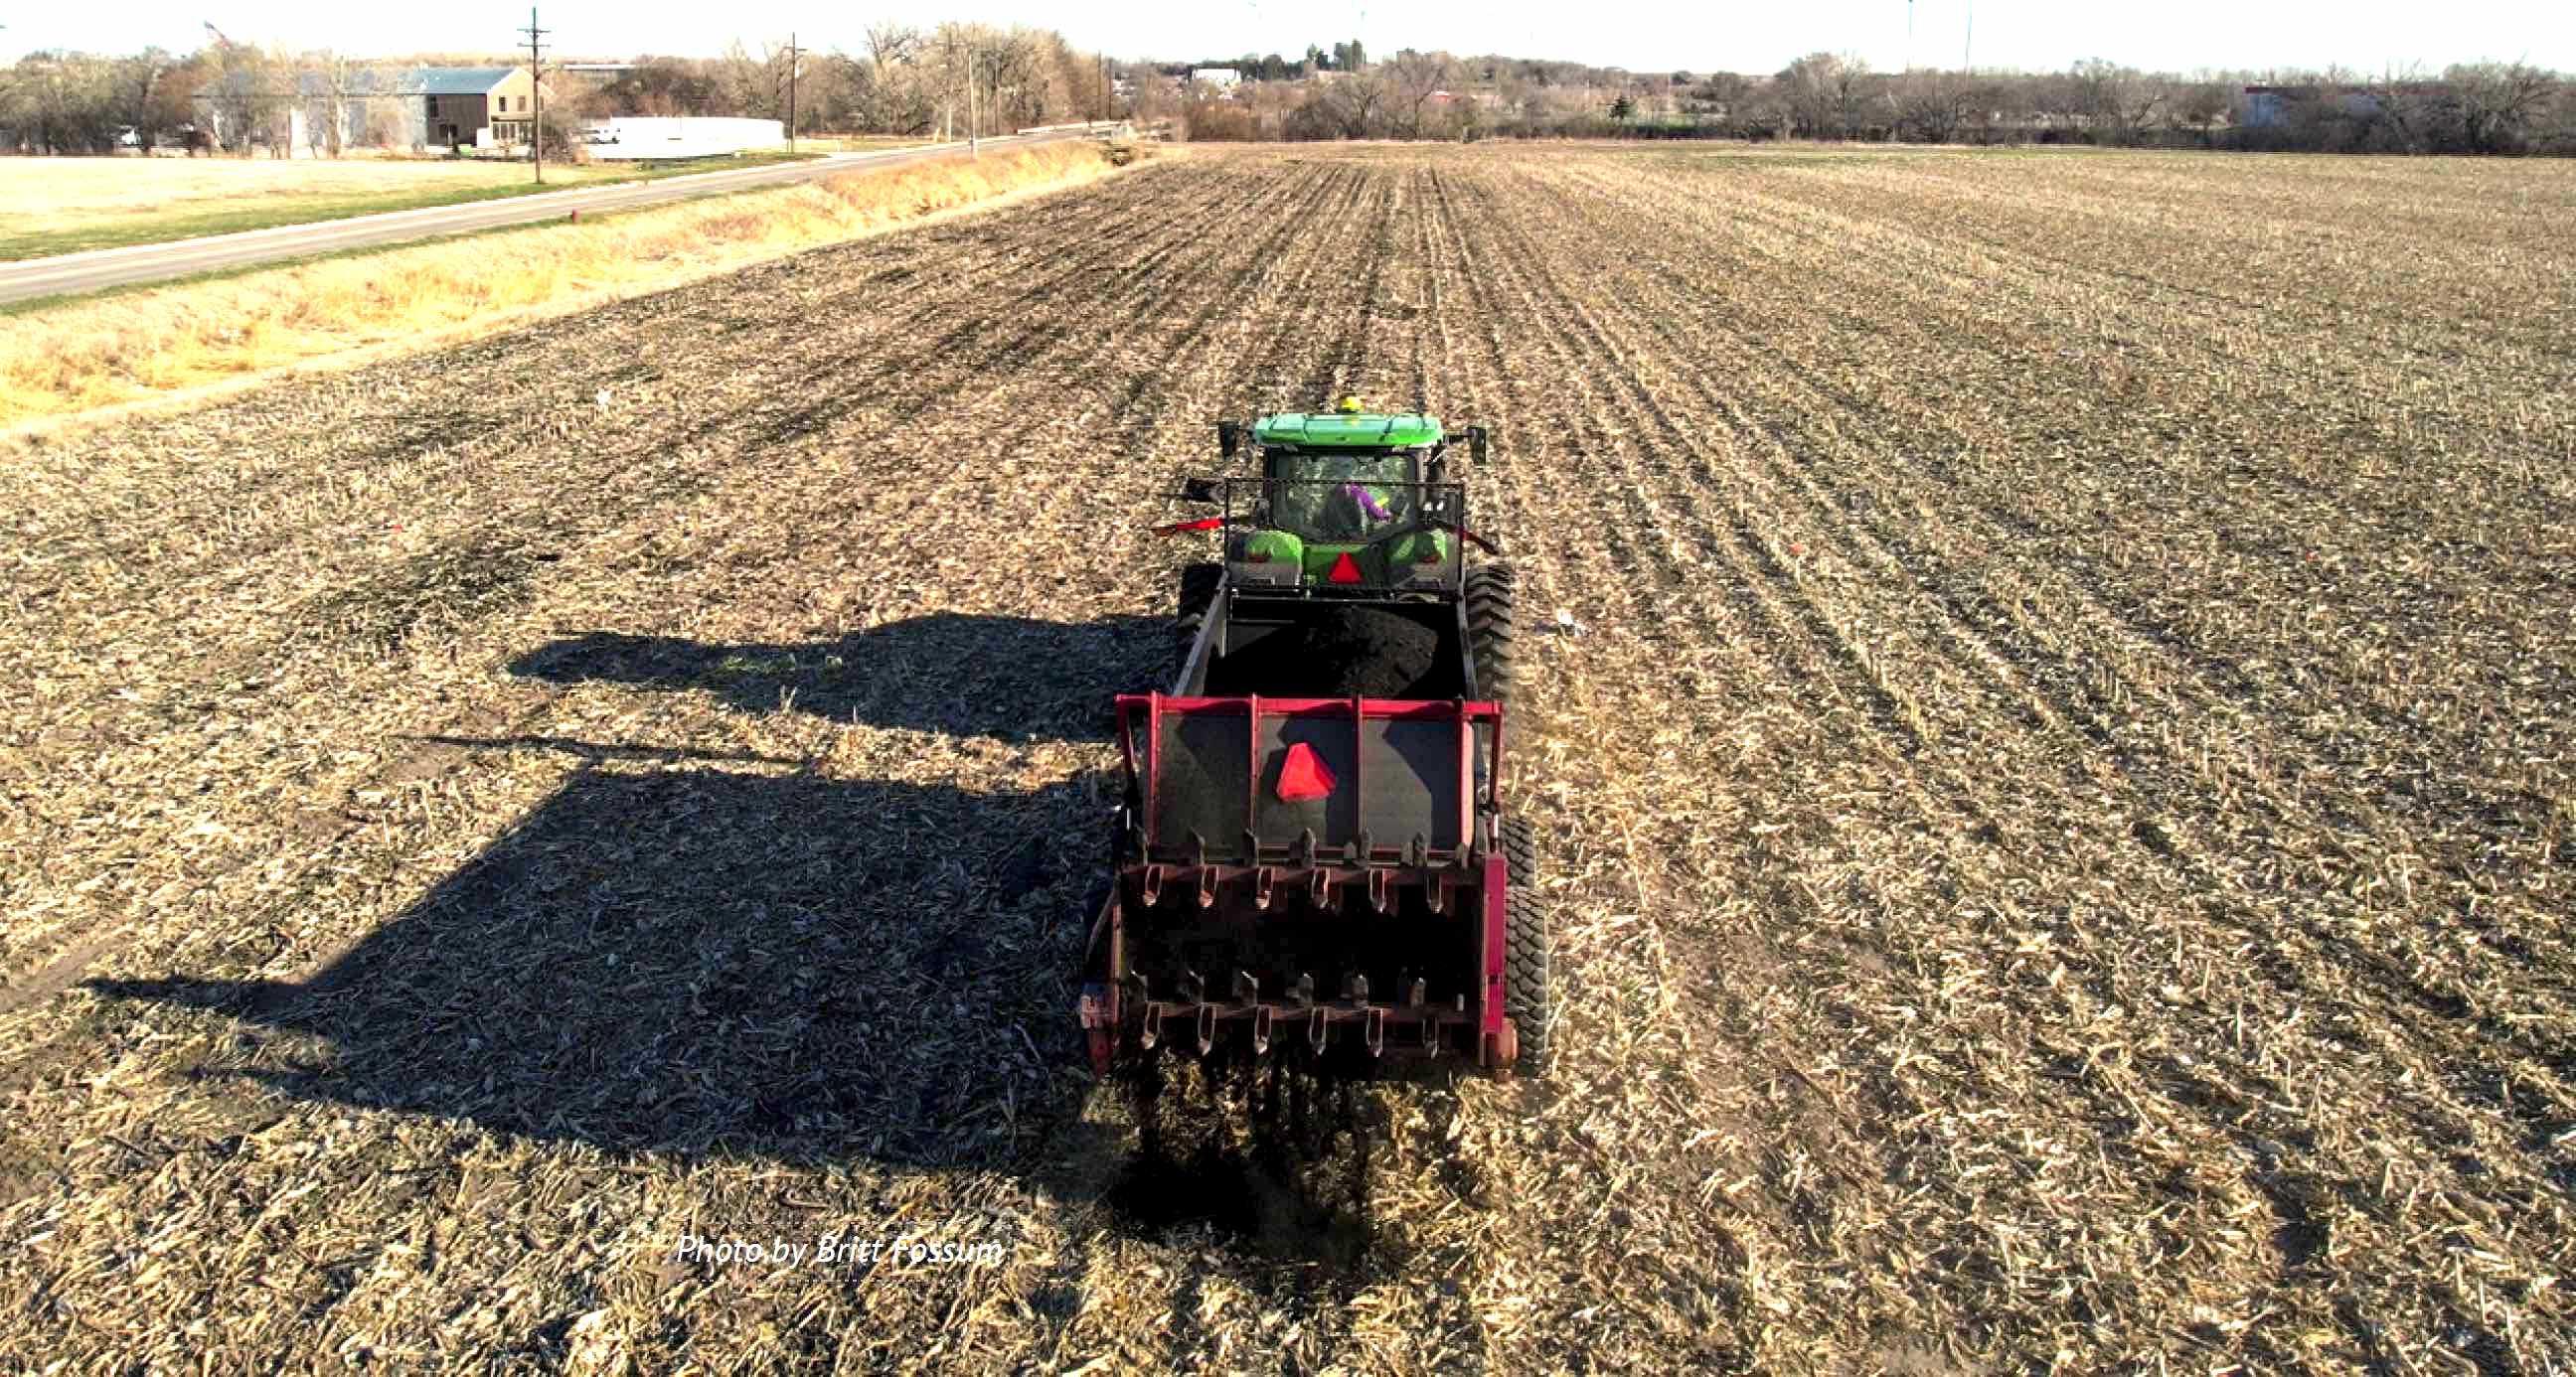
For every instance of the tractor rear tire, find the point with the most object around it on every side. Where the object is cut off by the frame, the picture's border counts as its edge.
(1199, 585)
(1491, 632)
(1525, 948)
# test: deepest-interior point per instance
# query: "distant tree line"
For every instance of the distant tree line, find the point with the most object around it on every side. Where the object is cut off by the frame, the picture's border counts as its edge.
(86, 103)
(234, 97)
(902, 80)
(910, 80)
(2481, 107)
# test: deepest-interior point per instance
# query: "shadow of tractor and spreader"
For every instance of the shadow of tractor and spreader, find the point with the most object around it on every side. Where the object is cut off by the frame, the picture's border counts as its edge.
(1003, 677)
(697, 963)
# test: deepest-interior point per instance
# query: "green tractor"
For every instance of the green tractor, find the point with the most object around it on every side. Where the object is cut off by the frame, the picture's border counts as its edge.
(1350, 510)
(1314, 853)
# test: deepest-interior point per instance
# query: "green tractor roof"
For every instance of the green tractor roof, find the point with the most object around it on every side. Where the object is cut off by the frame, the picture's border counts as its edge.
(1355, 430)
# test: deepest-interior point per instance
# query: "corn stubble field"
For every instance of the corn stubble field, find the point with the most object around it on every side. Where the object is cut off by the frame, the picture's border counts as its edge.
(2057, 793)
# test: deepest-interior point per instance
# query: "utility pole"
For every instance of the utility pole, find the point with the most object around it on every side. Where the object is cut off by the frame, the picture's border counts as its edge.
(793, 53)
(972, 150)
(1969, 46)
(537, 90)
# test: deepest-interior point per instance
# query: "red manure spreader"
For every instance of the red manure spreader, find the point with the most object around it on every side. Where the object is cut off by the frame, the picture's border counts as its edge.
(1313, 858)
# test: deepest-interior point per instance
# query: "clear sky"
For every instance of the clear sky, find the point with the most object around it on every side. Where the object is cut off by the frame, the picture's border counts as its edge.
(2175, 35)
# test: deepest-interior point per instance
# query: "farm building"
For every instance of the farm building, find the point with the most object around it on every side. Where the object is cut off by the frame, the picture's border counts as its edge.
(326, 111)
(448, 107)
(1223, 78)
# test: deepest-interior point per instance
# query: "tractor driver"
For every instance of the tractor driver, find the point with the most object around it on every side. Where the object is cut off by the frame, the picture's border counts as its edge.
(1371, 494)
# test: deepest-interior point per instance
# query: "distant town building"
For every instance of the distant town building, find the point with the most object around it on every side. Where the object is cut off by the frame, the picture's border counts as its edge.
(1222, 78)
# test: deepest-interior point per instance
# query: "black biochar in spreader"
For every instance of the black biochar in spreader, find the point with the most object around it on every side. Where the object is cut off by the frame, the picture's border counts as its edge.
(1339, 651)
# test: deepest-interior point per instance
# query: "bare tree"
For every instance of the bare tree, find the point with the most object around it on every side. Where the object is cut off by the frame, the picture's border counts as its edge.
(326, 84)
(2199, 104)
(1930, 105)
(1814, 89)
(897, 99)
(744, 82)
(1357, 102)
(1412, 79)
(2497, 102)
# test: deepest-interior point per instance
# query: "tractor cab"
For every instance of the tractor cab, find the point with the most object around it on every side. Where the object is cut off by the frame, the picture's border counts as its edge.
(1347, 502)
(1349, 477)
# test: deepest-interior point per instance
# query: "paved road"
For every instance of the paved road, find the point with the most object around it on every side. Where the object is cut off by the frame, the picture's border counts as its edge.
(102, 268)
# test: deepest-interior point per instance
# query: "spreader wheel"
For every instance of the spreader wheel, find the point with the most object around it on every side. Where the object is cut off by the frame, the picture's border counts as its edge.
(1199, 585)
(1490, 629)
(1525, 947)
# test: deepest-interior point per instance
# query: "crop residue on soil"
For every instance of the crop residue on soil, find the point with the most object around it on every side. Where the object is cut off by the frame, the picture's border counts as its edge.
(2054, 774)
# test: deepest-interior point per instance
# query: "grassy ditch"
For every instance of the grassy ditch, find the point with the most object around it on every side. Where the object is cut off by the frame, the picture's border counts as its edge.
(87, 354)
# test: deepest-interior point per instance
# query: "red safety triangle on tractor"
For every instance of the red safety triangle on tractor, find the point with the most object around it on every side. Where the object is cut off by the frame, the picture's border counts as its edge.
(1303, 775)
(1345, 569)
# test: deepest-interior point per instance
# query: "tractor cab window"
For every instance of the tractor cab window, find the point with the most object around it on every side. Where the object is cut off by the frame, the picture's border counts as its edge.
(1345, 496)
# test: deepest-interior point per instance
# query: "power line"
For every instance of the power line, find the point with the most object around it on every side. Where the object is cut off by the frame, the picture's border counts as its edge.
(537, 88)
(793, 54)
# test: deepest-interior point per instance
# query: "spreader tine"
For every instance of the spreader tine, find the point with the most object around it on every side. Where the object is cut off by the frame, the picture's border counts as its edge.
(1317, 1030)
(1419, 994)
(1373, 1031)
(1303, 992)
(1261, 1030)
(1247, 989)
(1207, 1028)
(1151, 1032)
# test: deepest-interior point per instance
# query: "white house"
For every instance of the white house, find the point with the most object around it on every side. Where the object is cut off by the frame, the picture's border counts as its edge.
(1222, 78)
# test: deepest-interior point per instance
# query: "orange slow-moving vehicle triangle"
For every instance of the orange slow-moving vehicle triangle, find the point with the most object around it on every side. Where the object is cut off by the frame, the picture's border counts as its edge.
(1303, 775)
(1345, 569)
